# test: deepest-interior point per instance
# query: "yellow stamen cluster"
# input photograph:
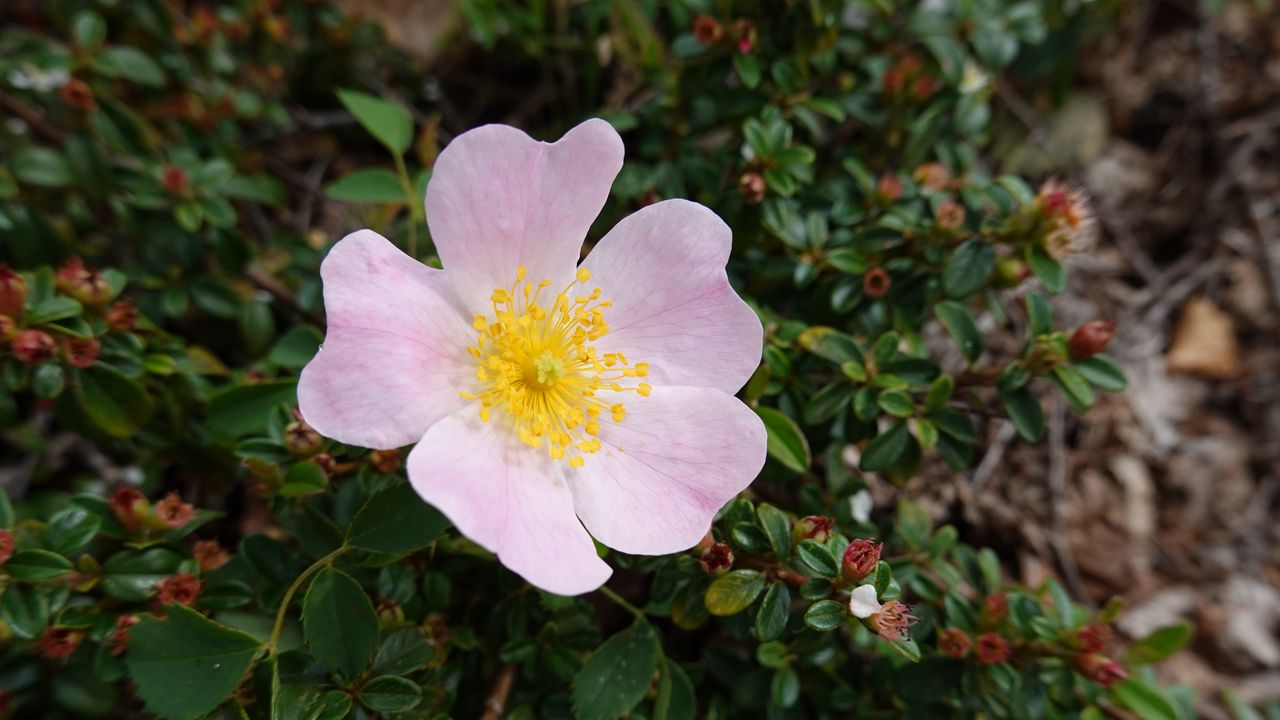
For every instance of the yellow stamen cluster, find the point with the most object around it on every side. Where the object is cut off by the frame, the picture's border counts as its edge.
(539, 368)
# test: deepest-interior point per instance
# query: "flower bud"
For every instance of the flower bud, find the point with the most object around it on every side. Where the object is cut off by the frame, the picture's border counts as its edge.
(131, 507)
(924, 87)
(389, 613)
(1093, 637)
(707, 30)
(889, 189)
(81, 352)
(326, 462)
(1091, 338)
(77, 96)
(876, 283)
(1100, 669)
(954, 642)
(860, 559)
(992, 649)
(301, 440)
(13, 292)
(949, 215)
(752, 187)
(122, 316)
(812, 527)
(182, 589)
(385, 461)
(57, 642)
(175, 179)
(33, 347)
(6, 545)
(1010, 272)
(995, 606)
(717, 559)
(120, 636)
(745, 30)
(172, 513)
(932, 176)
(8, 329)
(88, 286)
(209, 555)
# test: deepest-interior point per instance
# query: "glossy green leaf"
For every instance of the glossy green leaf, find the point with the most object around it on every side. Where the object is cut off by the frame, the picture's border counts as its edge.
(733, 592)
(115, 403)
(390, 693)
(786, 444)
(388, 122)
(36, 565)
(617, 675)
(771, 619)
(882, 452)
(371, 185)
(825, 615)
(1159, 645)
(968, 268)
(339, 623)
(25, 610)
(396, 521)
(962, 328)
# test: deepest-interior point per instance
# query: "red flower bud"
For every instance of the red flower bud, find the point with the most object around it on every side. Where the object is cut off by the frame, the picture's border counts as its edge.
(58, 642)
(130, 507)
(707, 30)
(860, 559)
(893, 80)
(173, 513)
(120, 636)
(182, 589)
(889, 188)
(301, 440)
(33, 347)
(6, 545)
(1091, 338)
(210, 555)
(992, 649)
(745, 31)
(1100, 669)
(385, 461)
(933, 176)
(752, 187)
(954, 642)
(122, 316)
(925, 86)
(717, 559)
(84, 284)
(876, 283)
(77, 96)
(812, 527)
(81, 352)
(1093, 637)
(175, 179)
(13, 292)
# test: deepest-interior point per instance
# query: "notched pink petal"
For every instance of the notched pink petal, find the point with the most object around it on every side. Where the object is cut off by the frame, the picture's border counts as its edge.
(667, 468)
(498, 199)
(664, 269)
(394, 353)
(509, 498)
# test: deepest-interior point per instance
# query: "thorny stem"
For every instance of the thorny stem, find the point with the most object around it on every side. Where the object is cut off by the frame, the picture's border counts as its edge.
(410, 201)
(622, 603)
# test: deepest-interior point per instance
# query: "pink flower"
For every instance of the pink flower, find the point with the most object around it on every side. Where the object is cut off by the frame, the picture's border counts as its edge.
(543, 395)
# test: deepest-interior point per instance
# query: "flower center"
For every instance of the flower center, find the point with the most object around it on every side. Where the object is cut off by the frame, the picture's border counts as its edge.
(538, 367)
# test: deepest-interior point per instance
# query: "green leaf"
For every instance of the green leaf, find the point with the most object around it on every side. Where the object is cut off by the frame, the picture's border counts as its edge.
(53, 309)
(1050, 271)
(848, 260)
(1159, 645)
(42, 166)
(36, 565)
(616, 677)
(827, 403)
(329, 705)
(785, 688)
(771, 619)
(70, 529)
(825, 615)
(129, 63)
(390, 693)
(1103, 372)
(787, 444)
(914, 524)
(396, 521)
(6, 511)
(897, 403)
(245, 409)
(132, 574)
(959, 323)
(1073, 386)
(88, 28)
(339, 623)
(748, 68)
(185, 664)
(1144, 700)
(304, 478)
(371, 185)
(777, 526)
(403, 652)
(1039, 315)
(817, 558)
(1025, 413)
(115, 403)
(940, 392)
(883, 451)
(733, 592)
(295, 348)
(968, 268)
(388, 122)
(25, 610)
(675, 699)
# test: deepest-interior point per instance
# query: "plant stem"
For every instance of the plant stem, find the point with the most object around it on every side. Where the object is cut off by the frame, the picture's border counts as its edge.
(622, 603)
(410, 200)
(273, 643)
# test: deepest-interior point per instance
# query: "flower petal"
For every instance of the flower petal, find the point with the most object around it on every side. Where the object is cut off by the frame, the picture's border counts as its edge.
(667, 468)
(393, 356)
(862, 601)
(510, 499)
(498, 199)
(663, 267)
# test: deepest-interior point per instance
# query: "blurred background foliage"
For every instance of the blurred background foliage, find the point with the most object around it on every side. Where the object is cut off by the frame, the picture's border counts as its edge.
(182, 545)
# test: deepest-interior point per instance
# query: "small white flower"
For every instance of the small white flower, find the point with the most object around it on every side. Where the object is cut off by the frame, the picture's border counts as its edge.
(863, 603)
(974, 78)
(860, 504)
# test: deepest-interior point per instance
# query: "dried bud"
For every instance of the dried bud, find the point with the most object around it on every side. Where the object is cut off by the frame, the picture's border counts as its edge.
(326, 462)
(949, 215)
(1100, 669)
(745, 31)
(209, 555)
(33, 347)
(717, 559)
(122, 316)
(173, 513)
(707, 30)
(81, 352)
(992, 649)
(893, 621)
(752, 187)
(385, 461)
(6, 545)
(13, 292)
(1093, 637)
(812, 527)
(876, 283)
(924, 87)
(131, 508)
(1066, 219)
(954, 642)
(69, 273)
(860, 559)
(889, 188)
(996, 606)
(120, 636)
(894, 80)
(77, 96)
(58, 642)
(932, 176)
(1090, 339)
(301, 440)
(8, 329)
(175, 179)
(182, 589)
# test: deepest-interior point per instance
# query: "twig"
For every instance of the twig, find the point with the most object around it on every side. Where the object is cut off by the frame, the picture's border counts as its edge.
(496, 703)
(1058, 472)
(995, 453)
(622, 602)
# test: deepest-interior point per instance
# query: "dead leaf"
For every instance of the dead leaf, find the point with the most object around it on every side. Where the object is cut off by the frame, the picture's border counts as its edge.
(1205, 342)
